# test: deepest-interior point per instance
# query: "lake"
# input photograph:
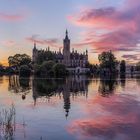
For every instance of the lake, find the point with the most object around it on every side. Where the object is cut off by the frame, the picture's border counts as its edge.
(74, 108)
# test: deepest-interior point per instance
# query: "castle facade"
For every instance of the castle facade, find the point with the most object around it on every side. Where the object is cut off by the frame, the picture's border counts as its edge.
(74, 61)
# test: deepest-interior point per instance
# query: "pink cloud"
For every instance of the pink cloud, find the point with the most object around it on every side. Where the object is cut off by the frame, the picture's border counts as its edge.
(95, 18)
(108, 17)
(50, 42)
(12, 17)
(119, 27)
(8, 43)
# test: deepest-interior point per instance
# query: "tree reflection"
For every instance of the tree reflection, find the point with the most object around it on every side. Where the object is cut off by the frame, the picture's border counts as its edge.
(65, 88)
(19, 85)
(1, 79)
(123, 80)
(138, 79)
(46, 87)
(107, 86)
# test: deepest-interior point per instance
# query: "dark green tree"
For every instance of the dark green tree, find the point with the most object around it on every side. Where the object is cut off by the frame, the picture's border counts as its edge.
(59, 69)
(2, 70)
(24, 71)
(94, 68)
(108, 61)
(19, 59)
(47, 56)
(123, 66)
(37, 69)
(47, 68)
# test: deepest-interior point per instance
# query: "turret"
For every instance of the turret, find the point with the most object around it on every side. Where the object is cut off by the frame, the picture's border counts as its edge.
(48, 48)
(86, 52)
(73, 50)
(34, 46)
(66, 34)
(86, 56)
(34, 53)
(59, 50)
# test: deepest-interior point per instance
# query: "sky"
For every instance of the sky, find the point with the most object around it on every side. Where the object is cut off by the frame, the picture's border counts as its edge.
(96, 25)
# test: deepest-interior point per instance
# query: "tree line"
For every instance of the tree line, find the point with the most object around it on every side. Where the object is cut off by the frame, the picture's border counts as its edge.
(22, 64)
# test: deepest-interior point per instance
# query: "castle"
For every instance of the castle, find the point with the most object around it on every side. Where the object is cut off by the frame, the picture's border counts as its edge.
(75, 62)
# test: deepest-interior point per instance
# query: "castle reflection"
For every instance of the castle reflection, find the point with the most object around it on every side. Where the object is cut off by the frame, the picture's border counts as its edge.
(67, 88)
(97, 108)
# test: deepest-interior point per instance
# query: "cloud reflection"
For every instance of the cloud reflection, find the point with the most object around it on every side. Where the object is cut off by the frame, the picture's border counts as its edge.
(120, 119)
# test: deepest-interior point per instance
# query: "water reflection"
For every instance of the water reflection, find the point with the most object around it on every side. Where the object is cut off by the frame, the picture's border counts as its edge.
(66, 88)
(107, 86)
(138, 79)
(105, 108)
(123, 80)
(120, 119)
(1, 80)
(19, 85)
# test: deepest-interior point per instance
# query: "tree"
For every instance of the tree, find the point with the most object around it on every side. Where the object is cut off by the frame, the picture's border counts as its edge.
(122, 66)
(24, 71)
(59, 69)
(47, 56)
(2, 70)
(37, 69)
(19, 59)
(93, 68)
(108, 61)
(46, 67)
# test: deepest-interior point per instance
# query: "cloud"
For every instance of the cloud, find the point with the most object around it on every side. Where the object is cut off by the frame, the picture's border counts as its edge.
(12, 17)
(8, 43)
(130, 57)
(121, 40)
(108, 17)
(54, 42)
(95, 17)
(118, 29)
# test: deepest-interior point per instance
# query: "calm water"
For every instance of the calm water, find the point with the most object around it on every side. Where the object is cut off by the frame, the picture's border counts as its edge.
(75, 108)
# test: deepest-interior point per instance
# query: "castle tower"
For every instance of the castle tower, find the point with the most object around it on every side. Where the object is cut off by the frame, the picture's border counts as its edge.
(66, 50)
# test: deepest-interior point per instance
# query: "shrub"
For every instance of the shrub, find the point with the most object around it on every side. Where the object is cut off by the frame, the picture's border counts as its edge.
(46, 68)
(24, 71)
(59, 69)
(37, 69)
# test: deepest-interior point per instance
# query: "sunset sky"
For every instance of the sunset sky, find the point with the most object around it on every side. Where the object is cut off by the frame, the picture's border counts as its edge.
(96, 25)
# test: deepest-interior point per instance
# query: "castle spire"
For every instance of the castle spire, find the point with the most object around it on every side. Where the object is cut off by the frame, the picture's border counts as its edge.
(34, 45)
(86, 52)
(59, 50)
(66, 34)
